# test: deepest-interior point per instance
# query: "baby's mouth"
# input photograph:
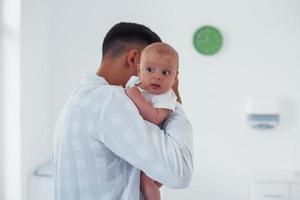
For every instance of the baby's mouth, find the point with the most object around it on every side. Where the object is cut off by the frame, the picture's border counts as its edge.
(154, 85)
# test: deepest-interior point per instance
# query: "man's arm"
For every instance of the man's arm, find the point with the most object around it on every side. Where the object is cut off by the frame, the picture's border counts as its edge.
(148, 112)
(165, 156)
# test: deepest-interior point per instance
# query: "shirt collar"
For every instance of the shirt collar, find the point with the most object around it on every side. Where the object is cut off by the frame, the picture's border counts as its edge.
(94, 79)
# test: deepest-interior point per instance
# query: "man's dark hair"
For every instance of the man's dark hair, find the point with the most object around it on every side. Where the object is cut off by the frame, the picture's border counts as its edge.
(123, 35)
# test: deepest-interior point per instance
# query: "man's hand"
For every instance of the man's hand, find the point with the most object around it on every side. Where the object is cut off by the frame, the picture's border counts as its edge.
(175, 84)
(175, 89)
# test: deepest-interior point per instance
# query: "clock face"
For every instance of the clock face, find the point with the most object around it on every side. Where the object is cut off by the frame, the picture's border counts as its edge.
(208, 40)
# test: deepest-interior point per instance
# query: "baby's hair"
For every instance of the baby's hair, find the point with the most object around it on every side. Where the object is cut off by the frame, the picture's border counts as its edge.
(161, 48)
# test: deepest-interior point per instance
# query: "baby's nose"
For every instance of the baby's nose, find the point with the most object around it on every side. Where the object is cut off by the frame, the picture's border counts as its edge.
(157, 76)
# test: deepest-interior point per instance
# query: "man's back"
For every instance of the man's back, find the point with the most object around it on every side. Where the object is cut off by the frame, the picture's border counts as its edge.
(84, 167)
(102, 143)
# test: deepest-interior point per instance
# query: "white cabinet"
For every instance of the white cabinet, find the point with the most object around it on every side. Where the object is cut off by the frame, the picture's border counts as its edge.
(269, 191)
(295, 191)
(275, 185)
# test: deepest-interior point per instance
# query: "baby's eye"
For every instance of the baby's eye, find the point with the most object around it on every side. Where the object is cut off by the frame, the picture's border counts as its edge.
(166, 72)
(150, 69)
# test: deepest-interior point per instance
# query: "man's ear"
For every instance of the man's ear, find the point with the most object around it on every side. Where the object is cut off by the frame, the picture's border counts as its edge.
(132, 57)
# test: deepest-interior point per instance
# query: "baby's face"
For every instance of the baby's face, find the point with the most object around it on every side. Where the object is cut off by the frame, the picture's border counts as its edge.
(158, 72)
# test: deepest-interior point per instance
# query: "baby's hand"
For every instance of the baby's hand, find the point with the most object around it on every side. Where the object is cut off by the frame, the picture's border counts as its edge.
(133, 92)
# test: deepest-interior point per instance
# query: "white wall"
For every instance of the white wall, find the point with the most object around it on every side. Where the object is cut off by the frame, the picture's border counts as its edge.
(61, 40)
(25, 103)
(10, 101)
(35, 86)
(1, 102)
(260, 56)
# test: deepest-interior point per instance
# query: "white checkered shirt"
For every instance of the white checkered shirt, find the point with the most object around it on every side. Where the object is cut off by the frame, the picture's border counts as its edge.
(102, 143)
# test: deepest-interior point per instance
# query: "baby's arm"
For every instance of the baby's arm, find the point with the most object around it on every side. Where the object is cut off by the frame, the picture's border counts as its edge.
(149, 187)
(148, 112)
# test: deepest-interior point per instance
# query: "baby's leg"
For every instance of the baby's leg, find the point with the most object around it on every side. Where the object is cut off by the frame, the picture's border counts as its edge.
(149, 188)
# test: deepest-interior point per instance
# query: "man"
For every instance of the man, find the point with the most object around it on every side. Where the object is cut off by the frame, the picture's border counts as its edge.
(102, 143)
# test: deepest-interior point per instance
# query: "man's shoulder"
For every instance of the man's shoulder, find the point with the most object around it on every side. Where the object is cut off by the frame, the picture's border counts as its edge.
(109, 90)
(92, 96)
(109, 94)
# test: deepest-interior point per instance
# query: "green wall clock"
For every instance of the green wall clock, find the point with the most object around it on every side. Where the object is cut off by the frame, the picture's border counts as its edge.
(208, 40)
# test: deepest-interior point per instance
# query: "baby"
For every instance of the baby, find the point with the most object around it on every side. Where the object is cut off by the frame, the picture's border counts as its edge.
(152, 93)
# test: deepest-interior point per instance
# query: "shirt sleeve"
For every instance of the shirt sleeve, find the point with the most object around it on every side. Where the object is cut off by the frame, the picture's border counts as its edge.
(164, 155)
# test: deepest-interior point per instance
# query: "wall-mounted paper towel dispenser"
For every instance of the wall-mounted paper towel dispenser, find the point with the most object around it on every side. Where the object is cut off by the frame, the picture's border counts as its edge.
(262, 112)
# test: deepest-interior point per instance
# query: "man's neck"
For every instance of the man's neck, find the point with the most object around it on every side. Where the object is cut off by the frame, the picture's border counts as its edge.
(110, 71)
(102, 72)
